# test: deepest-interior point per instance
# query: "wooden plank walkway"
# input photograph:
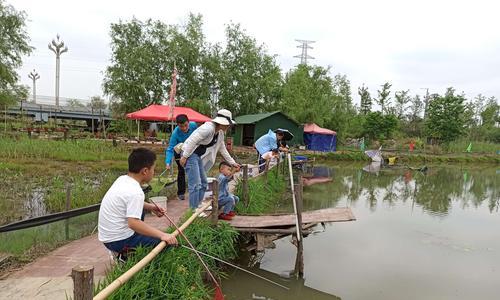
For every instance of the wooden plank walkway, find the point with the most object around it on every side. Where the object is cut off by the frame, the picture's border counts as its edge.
(315, 216)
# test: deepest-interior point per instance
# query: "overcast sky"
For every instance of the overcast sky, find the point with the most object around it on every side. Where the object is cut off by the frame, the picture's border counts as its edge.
(413, 44)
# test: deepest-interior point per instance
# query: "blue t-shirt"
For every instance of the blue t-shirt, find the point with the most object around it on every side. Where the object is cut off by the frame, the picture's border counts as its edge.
(223, 188)
(267, 142)
(178, 136)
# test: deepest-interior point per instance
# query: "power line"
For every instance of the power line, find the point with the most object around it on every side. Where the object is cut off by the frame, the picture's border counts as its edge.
(304, 46)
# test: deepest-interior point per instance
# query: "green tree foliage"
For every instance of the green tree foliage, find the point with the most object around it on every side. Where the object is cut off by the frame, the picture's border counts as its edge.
(490, 117)
(97, 103)
(74, 103)
(383, 98)
(343, 110)
(144, 55)
(445, 117)
(199, 105)
(308, 95)
(366, 100)
(251, 79)
(401, 106)
(379, 126)
(14, 43)
(415, 120)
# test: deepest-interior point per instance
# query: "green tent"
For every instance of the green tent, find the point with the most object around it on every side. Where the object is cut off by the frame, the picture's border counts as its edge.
(250, 127)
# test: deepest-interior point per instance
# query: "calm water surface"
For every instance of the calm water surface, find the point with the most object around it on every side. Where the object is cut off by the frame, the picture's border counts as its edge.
(433, 235)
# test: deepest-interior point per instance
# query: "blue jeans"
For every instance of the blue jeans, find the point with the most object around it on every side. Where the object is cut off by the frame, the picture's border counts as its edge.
(197, 180)
(132, 242)
(228, 202)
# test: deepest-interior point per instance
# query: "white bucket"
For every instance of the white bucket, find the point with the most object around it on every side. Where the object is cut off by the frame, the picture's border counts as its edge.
(160, 201)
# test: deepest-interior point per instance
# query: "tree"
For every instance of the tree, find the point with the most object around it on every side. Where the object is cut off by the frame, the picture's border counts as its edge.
(74, 103)
(366, 100)
(383, 97)
(308, 95)
(490, 114)
(415, 119)
(97, 103)
(402, 99)
(378, 126)
(445, 120)
(250, 79)
(343, 110)
(14, 43)
(143, 58)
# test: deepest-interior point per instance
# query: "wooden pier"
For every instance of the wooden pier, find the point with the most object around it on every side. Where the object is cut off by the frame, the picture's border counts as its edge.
(315, 216)
(267, 228)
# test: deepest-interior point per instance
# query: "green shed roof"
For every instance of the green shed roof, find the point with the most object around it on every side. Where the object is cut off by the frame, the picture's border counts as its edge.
(252, 119)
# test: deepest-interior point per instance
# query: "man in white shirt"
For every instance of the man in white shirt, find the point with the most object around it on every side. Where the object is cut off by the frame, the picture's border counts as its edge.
(205, 141)
(120, 217)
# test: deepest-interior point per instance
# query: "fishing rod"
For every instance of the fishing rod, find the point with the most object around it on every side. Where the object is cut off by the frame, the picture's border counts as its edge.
(218, 290)
(218, 259)
(236, 267)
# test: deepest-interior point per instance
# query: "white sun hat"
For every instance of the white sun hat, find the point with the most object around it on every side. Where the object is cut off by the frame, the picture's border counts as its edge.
(224, 117)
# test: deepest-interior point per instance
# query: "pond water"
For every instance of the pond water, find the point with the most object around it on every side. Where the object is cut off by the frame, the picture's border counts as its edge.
(432, 235)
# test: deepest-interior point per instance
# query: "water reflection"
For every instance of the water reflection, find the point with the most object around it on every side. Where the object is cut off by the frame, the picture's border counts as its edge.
(241, 285)
(418, 235)
(433, 191)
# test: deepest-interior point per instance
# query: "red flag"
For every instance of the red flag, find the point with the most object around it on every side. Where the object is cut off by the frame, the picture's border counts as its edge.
(173, 90)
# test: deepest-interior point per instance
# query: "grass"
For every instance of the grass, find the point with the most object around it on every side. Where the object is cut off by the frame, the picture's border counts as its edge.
(263, 193)
(85, 190)
(477, 147)
(70, 150)
(177, 273)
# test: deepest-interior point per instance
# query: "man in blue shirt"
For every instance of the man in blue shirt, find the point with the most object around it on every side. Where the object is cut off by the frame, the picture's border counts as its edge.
(179, 135)
(269, 142)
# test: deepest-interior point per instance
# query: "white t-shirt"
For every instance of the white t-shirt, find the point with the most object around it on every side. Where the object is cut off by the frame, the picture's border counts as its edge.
(124, 199)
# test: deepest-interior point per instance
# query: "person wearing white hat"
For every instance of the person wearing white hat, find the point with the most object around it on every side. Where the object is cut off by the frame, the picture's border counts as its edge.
(205, 141)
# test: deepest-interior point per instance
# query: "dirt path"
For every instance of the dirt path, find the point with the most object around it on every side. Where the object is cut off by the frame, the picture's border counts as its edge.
(48, 276)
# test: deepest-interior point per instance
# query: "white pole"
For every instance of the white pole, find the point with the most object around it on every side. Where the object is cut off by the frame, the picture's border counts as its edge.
(293, 196)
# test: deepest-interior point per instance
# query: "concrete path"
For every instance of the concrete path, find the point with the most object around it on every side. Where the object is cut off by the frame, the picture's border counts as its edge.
(48, 277)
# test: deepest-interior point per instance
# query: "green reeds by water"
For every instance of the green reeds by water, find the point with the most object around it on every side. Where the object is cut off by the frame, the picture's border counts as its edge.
(176, 273)
(264, 192)
(70, 150)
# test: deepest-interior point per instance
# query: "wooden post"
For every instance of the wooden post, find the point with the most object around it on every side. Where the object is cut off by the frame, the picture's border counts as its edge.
(245, 185)
(83, 282)
(215, 202)
(299, 261)
(68, 207)
(266, 170)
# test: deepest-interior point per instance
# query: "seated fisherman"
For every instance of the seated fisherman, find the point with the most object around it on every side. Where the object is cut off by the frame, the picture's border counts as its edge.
(120, 224)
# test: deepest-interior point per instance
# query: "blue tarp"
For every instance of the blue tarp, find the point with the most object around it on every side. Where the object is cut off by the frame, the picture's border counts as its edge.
(320, 142)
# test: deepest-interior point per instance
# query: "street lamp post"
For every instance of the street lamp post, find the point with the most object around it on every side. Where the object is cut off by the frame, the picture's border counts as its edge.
(57, 46)
(214, 97)
(33, 75)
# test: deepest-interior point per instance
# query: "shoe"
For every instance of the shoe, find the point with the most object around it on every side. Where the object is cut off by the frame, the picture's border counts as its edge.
(232, 213)
(225, 217)
(181, 197)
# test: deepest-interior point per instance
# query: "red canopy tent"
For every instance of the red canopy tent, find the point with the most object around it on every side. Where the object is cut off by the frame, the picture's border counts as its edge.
(161, 113)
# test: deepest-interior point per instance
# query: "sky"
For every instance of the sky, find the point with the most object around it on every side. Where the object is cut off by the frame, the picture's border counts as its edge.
(414, 45)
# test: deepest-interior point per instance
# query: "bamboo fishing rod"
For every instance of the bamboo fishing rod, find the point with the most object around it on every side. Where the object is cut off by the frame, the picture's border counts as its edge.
(236, 267)
(113, 286)
(197, 252)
